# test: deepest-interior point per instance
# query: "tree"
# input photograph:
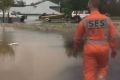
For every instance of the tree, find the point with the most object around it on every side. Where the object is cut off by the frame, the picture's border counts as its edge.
(73, 4)
(5, 6)
(68, 6)
(111, 7)
(114, 8)
(76, 4)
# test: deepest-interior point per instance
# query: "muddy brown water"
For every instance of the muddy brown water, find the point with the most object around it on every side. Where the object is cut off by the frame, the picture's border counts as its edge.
(32, 55)
(35, 56)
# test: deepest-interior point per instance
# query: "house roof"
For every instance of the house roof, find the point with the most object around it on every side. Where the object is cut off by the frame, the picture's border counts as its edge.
(29, 1)
(41, 8)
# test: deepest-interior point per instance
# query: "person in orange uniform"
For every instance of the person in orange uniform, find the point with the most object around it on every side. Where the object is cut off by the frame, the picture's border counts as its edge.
(100, 37)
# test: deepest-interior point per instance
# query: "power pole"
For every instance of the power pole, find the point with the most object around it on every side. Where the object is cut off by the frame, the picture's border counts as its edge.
(60, 4)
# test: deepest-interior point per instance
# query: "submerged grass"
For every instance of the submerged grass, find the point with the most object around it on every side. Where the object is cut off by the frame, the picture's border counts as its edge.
(65, 29)
(5, 39)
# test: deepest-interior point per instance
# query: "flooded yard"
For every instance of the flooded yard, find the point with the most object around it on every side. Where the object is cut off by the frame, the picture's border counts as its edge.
(35, 55)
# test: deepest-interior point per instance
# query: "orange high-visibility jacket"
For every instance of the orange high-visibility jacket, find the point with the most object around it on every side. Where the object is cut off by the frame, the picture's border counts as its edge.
(96, 26)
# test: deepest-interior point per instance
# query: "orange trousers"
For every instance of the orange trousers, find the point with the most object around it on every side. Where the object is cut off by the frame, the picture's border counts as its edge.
(96, 57)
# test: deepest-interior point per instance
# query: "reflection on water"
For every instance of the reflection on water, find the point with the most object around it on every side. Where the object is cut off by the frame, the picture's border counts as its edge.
(39, 56)
(5, 40)
(68, 44)
(7, 54)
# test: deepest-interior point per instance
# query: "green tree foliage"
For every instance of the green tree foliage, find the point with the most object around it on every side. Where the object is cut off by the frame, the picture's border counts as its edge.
(111, 7)
(5, 5)
(67, 6)
(76, 4)
(107, 6)
(73, 4)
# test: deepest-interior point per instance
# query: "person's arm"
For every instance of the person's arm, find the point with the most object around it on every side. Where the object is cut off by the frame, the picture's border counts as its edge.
(113, 39)
(78, 34)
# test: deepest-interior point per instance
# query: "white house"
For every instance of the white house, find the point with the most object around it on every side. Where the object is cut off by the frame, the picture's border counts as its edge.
(33, 12)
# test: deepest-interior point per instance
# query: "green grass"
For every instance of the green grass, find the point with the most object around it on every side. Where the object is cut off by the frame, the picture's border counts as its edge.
(115, 18)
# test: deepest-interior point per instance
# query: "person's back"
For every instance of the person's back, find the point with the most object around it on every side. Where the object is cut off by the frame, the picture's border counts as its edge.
(99, 33)
(96, 26)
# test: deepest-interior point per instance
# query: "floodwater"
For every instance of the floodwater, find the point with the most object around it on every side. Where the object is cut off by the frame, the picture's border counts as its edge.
(32, 55)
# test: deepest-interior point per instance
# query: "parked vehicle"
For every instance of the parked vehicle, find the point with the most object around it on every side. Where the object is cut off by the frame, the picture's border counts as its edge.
(10, 17)
(78, 15)
(51, 17)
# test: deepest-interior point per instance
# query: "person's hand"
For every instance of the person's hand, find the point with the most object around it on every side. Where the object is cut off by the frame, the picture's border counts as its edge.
(114, 53)
(75, 51)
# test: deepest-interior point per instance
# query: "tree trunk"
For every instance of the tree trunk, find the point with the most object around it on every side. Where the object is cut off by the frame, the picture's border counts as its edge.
(8, 17)
(3, 16)
(3, 20)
